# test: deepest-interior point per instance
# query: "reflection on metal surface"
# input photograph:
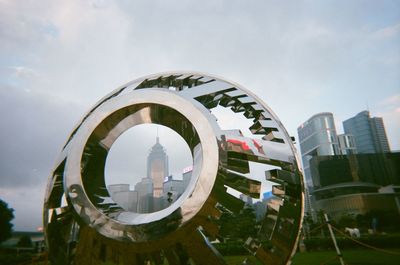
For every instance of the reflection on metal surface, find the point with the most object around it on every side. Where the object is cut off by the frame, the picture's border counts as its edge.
(226, 204)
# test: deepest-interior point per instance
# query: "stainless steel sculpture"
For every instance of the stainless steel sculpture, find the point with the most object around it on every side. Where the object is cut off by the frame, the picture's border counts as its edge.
(92, 229)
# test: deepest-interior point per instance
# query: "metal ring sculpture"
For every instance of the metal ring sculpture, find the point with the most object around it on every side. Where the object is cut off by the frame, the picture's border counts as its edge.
(91, 228)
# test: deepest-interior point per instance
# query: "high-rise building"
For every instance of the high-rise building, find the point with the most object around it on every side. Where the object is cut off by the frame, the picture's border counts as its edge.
(317, 137)
(157, 168)
(173, 185)
(157, 190)
(186, 176)
(144, 189)
(123, 196)
(378, 129)
(369, 133)
(347, 144)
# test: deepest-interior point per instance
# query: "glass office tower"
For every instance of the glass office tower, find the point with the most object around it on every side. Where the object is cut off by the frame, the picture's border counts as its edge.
(369, 133)
(317, 137)
(347, 144)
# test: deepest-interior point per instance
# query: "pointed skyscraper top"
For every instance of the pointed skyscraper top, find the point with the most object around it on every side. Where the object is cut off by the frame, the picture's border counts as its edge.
(157, 147)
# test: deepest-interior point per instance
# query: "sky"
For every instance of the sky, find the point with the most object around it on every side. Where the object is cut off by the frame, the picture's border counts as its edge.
(127, 159)
(58, 58)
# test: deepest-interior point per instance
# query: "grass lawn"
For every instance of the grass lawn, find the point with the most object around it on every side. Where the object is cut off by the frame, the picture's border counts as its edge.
(351, 257)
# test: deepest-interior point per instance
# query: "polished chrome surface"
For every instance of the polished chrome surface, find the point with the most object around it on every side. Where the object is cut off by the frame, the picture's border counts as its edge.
(223, 190)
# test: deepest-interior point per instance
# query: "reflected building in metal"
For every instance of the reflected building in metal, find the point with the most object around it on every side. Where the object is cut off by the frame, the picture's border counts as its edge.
(93, 229)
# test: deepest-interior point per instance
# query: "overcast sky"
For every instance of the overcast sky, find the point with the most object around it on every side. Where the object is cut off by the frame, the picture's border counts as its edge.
(127, 159)
(57, 58)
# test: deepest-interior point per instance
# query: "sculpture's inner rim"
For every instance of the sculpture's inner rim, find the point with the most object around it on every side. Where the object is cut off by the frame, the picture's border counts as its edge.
(105, 134)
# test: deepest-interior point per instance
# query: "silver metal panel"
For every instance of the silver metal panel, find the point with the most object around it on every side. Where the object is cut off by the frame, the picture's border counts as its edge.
(206, 89)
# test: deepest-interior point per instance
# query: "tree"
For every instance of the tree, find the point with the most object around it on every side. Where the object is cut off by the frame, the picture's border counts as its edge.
(6, 215)
(238, 226)
(25, 242)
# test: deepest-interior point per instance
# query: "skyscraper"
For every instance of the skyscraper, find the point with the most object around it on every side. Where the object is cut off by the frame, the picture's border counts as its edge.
(347, 144)
(157, 168)
(154, 192)
(378, 129)
(317, 137)
(369, 133)
(144, 189)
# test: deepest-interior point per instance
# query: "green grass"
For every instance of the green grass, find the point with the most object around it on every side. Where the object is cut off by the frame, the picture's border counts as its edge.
(236, 260)
(351, 257)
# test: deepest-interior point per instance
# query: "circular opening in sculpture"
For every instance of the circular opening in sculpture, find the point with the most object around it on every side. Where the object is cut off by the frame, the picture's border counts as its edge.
(115, 201)
(148, 168)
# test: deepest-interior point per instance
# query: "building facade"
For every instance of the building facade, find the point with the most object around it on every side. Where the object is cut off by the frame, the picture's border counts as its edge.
(356, 184)
(378, 169)
(144, 189)
(379, 132)
(157, 168)
(347, 144)
(317, 137)
(154, 192)
(369, 133)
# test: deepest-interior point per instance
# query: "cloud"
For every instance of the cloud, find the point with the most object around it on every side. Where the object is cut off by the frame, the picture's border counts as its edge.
(387, 32)
(31, 135)
(23, 74)
(27, 202)
(34, 128)
(391, 101)
(24, 26)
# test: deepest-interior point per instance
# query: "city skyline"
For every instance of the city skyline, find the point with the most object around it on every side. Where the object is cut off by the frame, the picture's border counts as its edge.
(317, 136)
(319, 141)
(301, 58)
(127, 160)
(157, 190)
